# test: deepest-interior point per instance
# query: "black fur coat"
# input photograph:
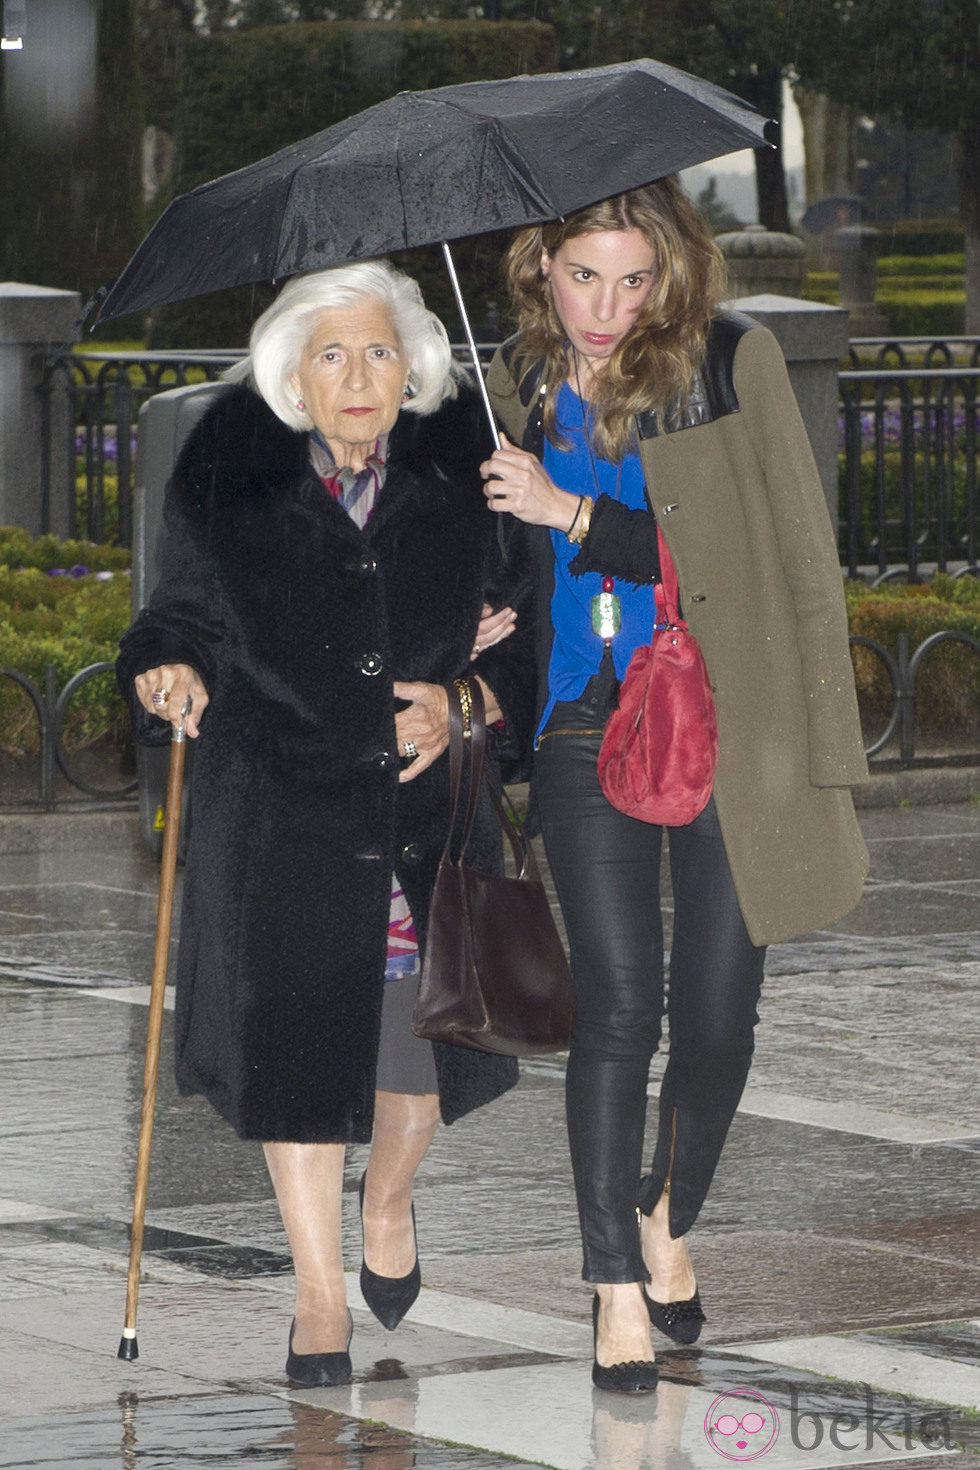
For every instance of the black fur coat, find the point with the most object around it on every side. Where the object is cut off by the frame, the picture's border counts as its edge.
(298, 623)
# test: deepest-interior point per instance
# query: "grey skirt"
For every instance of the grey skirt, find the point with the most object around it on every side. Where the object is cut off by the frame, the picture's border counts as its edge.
(405, 1062)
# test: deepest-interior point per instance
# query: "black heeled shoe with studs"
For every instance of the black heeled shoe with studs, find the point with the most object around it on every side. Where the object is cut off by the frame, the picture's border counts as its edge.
(389, 1297)
(319, 1370)
(631, 1377)
(680, 1321)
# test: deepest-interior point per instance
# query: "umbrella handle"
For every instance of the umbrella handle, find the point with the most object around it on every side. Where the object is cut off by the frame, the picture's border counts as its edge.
(128, 1347)
(470, 342)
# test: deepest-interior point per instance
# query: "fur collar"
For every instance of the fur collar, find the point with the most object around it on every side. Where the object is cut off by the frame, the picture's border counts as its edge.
(240, 452)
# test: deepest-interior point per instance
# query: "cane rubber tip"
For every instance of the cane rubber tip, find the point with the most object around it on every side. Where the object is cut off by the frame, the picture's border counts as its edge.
(128, 1348)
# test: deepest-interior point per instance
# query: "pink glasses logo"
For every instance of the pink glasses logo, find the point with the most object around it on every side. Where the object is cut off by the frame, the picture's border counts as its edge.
(741, 1424)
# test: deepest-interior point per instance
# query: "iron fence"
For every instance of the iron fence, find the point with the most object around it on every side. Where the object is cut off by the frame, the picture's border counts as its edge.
(909, 501)
(897, 741)
(50, 706)
(908, 442)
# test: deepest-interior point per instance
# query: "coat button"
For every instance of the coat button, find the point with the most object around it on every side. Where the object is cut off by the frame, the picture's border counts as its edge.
(367, 566)
(371, 664)
(383, 760)
(412, 854)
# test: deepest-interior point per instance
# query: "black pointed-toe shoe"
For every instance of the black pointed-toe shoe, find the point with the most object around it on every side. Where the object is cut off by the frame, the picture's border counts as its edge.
(680, 1321)
(632, 1377)
(319, 1370)
(389, 1297)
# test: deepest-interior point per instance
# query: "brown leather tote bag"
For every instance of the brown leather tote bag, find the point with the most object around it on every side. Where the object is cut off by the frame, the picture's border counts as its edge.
(494, 975)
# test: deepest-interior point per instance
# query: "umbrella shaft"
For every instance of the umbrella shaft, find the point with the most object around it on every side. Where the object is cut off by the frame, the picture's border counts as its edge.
(470, 341)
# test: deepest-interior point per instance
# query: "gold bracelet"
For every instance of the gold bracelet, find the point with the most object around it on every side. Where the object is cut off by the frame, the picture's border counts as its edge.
(577, 533)
(466, 702)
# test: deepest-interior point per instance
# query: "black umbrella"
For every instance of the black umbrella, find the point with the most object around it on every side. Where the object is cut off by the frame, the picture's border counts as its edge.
(833, 209)
(434, 166)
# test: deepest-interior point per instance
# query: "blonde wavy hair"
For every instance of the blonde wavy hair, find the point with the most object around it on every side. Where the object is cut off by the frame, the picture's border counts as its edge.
(654, 366)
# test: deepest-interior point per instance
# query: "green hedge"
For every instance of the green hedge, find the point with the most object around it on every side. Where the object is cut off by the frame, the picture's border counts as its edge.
(923, 237)
(233, 108)
(948, 684)
(72, 622)
(930, 266)
(69, 620)
(923, 313)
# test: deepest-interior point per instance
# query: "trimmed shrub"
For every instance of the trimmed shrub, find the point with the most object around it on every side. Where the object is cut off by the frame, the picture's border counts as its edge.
(923, 313)
(923, 237)
(922, 265)
(63, 603)
(948, 684)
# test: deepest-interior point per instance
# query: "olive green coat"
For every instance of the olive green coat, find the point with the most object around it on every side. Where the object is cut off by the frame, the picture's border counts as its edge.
(740, 504)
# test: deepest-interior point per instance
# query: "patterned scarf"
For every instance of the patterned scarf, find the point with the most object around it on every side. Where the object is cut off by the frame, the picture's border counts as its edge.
(355, 490)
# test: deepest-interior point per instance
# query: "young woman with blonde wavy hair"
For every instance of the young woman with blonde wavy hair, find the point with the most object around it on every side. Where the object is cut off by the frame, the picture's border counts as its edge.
(630, 400)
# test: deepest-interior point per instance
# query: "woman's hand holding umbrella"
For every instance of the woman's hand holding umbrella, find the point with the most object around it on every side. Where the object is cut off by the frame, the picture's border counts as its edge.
(518, 482)
(164, 691)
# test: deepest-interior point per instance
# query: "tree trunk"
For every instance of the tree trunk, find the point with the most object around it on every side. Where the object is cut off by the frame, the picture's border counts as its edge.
(828, 143)
(968, 150)
(765, 93)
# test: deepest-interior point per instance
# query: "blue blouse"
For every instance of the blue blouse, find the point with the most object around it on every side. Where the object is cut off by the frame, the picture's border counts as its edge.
(577, 652)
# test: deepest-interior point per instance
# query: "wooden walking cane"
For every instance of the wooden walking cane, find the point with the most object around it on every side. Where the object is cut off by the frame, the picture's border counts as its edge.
(128, 1347)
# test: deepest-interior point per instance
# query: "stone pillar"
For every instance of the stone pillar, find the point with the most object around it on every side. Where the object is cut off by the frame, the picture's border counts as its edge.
(34, 321)
(814, 338)
(761, 260)
(858, 248)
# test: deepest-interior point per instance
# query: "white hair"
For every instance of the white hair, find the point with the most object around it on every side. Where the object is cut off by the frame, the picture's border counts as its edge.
(282, 331)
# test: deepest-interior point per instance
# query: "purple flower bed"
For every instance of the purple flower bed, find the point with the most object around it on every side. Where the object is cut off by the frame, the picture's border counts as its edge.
(110, 444)
(891, 425)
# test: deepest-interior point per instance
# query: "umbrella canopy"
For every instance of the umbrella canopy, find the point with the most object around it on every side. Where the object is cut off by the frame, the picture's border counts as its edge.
(433, 166)
(833, 210)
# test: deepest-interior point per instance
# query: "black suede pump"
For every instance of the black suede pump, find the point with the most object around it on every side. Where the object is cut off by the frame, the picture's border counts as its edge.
(319, 1370)
(389, 1297)
(631, 1377)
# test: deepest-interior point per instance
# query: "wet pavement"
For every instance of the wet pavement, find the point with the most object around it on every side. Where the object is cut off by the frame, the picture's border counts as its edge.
(837, 1254)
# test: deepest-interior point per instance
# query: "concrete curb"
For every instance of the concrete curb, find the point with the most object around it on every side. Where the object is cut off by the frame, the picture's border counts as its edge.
(935, 786)
(112, 829)
(24, 833)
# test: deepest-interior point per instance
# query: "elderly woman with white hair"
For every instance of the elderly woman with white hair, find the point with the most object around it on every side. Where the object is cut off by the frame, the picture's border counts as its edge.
(330, 567)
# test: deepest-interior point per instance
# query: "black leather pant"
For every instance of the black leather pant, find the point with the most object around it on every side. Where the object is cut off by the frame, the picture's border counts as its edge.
(606, 868)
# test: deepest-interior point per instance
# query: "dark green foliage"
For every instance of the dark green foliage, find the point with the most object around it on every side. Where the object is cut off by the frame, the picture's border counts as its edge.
(948, 684)
(67, 621)
(70, 182)
(922, 312)
(233, 108)
(923, 237)
(233, 105)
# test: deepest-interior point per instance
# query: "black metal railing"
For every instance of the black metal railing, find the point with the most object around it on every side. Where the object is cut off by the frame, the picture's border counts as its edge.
(105, 392)
(897, 741)
(908, 424)
(909, 500)
(50, 707)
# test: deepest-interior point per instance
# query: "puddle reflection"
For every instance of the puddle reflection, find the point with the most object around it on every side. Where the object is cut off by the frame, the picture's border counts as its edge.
(643, 1433)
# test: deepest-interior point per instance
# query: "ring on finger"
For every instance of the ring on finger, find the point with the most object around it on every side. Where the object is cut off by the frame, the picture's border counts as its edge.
(160, 696)
(411, 750)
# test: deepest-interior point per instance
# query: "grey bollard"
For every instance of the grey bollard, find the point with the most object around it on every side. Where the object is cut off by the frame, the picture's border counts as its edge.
(814, 338)
(165, 421)
(761, 261)
(34, 321)
(858, 248)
